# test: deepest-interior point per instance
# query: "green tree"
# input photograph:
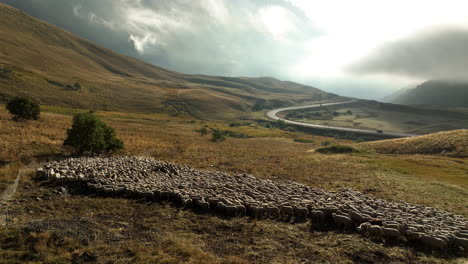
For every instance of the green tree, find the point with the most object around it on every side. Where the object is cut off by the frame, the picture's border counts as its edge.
(90, 135)
(23, 108)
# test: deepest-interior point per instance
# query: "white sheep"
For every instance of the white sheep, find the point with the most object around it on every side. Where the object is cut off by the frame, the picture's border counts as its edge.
(391, 233)
(342, 221)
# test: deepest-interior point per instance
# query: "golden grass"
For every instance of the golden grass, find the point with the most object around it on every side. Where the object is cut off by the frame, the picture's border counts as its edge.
(452, 143)
(184, 236)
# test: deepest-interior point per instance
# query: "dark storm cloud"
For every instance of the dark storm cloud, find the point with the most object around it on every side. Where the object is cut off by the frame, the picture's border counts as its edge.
(439, 54)
(220, 37)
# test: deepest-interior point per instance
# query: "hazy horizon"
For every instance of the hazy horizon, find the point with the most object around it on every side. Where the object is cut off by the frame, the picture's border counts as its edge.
(362, 49)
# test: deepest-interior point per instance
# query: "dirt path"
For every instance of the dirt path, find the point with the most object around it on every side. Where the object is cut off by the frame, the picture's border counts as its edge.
(10, 191)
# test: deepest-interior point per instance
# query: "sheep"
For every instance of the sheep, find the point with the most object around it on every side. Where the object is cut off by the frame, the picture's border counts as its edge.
(462, 234)
(363, 228)
(301, 213)
(231, 210)
(433, 243)
(356, 218)
(286, 213)
(257, 211)
(342, 221)
(413, 235)
(375, 231)
(272, 211)
(221, 207)
(375, 221)
(202, 204)
(391, 233)
(317, 219)
(241, 210)
(461, 242)
(147, 195)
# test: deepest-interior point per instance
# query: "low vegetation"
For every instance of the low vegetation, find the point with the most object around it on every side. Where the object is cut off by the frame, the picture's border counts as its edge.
(336, 149)
(303, 140)
(135, 231)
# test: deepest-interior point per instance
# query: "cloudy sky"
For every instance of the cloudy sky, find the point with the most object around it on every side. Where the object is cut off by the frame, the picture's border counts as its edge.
(361, 48)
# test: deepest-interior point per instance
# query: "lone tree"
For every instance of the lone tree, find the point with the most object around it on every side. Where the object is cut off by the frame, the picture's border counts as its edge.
(90, 135)
(23, 109)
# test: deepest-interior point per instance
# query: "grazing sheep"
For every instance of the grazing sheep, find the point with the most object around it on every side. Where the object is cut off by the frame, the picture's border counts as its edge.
(301, 213)
(257, 211)
(364, 228)
(375, 221)
(462, 234)
(241, 210)
(231, 210)
(317, 219)
(375, 231)
(202, 204)
(356, 218)
(221, 207)
(433, 243)
(148, 195)
(391, 233)
(342, 221)
(461, 242)
(287, 213)
(272, 212)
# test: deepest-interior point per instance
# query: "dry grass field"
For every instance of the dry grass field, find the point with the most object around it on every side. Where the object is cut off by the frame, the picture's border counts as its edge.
(79, 229)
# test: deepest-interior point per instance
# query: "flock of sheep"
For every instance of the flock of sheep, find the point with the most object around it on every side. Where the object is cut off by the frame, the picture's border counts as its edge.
(242, 194)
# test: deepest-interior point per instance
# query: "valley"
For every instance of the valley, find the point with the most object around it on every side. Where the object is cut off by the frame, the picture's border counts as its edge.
(214, 169)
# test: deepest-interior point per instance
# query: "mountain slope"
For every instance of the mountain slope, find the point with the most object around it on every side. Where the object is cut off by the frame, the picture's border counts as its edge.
(44, 62)
(443, 93)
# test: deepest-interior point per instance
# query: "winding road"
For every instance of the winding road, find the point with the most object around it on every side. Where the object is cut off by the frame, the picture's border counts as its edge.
(273, 114)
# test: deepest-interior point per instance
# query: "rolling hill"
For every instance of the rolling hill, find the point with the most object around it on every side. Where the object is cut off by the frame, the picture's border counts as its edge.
(441, 93)
(45, 62)
(452, 143)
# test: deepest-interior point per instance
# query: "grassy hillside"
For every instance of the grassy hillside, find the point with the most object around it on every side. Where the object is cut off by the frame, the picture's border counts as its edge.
(51, 227)
(42, 61)
(451, 94)
(452, 143)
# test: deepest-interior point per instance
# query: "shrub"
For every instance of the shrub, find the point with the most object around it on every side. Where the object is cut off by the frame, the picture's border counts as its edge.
(23, 108)
(90, 135)
(336, 149)
(303, 140)
(218, 136)
(203, 131)
(77, 86)
(326, 143)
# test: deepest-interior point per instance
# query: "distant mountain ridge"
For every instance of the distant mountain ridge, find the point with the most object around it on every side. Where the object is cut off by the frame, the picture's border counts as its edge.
(438, 93)
(42, 61)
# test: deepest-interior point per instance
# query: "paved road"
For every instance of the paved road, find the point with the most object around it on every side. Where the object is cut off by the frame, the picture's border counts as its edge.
(273, 115)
